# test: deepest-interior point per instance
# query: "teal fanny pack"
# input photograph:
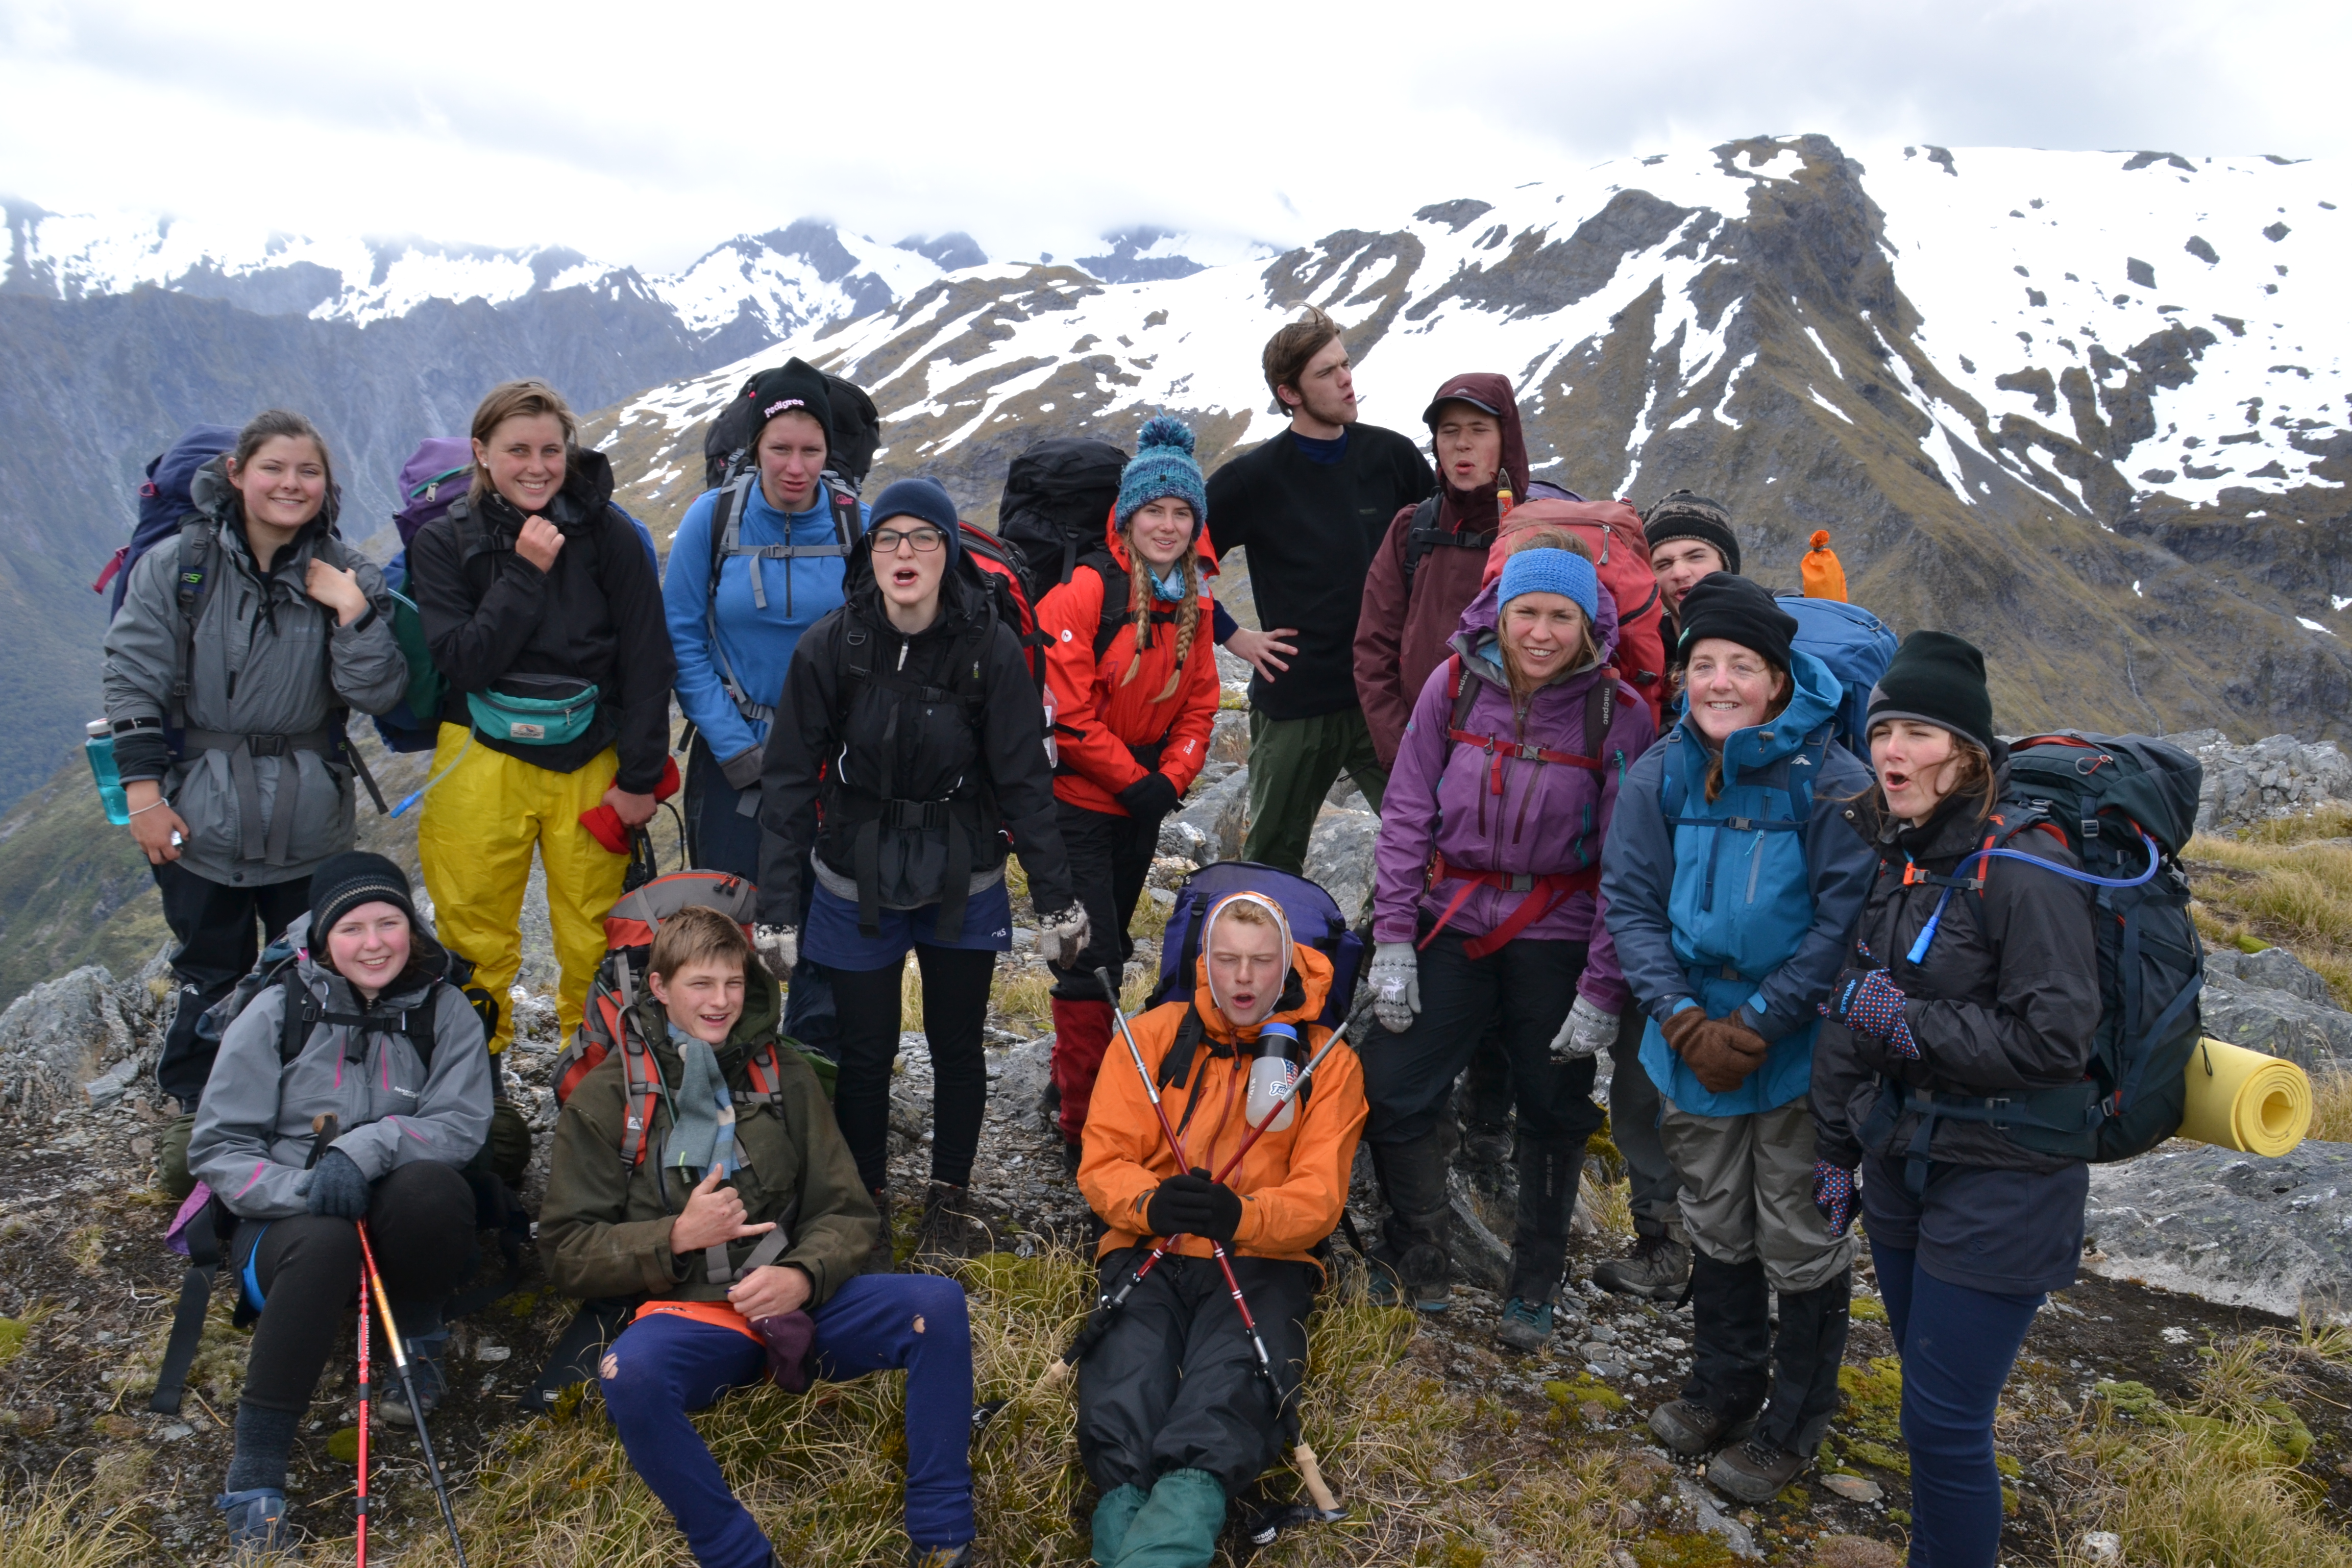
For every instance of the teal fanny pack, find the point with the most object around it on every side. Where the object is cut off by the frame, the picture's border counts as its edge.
(536, 711)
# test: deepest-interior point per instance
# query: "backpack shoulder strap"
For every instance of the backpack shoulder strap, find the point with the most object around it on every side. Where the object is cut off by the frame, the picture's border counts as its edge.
(642, 1078)
(1600, 711)
(1118, 586)
(301, 1015)
(1176, 1067)
(846, 524)
(191, 587)
(1421, 537)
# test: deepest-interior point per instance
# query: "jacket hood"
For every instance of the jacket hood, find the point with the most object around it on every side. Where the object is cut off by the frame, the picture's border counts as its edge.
(1475, 509)
(1303, 995)
(1484, 615)
(1812, 702)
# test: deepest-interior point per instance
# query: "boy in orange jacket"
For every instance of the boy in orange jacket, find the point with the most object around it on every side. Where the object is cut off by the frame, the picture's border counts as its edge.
(1172, 1418)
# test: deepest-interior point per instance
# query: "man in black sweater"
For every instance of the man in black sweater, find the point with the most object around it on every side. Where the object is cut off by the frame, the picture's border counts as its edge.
(1309, 508)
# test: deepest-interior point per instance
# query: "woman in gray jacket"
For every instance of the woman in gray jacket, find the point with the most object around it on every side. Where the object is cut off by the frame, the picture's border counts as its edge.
(237, 652)
(360, 1030)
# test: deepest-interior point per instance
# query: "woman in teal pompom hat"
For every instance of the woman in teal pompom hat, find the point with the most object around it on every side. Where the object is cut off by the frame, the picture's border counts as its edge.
(1131, 693)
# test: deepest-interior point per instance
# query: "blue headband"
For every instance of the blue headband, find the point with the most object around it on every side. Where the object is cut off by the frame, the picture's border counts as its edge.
(1548, 571)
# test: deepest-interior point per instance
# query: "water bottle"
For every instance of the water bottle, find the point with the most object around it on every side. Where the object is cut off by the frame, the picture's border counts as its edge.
(1271, 1075)
(100, 747)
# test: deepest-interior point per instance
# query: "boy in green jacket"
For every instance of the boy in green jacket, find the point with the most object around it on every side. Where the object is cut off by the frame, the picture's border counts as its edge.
(743, 1223)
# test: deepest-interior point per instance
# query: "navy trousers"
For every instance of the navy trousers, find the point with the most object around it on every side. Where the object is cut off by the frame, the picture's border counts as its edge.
(1957, 1345)
(664, 1365)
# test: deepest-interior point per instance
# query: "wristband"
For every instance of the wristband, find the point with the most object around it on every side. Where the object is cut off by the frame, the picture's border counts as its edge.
(150, 805)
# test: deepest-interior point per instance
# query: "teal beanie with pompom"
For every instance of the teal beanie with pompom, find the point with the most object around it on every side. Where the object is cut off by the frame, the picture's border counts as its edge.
(1163, 467)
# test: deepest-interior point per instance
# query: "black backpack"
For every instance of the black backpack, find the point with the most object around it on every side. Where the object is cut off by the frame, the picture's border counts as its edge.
(850, 444)
(1057, 494)
(2126, 805)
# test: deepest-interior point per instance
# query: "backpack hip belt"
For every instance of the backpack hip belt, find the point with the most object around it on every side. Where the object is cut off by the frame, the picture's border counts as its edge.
(2069, 1109)
(1546, 892)
(865, 816)
(267, 836)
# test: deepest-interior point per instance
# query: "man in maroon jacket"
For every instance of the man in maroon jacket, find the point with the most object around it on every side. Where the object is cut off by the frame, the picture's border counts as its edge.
(1429, 566)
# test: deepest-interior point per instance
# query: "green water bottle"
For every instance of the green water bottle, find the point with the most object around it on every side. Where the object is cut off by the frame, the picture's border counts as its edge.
(100, 747)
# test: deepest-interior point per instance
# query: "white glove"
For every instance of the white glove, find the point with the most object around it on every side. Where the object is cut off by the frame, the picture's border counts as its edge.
(1396, 986)
(1062, 937)
(779, 948)
(1587, 1030)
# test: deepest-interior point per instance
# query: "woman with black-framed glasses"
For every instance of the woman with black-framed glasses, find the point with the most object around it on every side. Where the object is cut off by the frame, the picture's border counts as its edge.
(908, 753)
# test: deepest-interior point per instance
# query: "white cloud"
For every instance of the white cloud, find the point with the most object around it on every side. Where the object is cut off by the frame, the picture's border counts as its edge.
(650, 134)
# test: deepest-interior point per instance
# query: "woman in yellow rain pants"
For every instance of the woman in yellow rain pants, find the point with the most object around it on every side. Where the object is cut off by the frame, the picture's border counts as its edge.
(539, 601)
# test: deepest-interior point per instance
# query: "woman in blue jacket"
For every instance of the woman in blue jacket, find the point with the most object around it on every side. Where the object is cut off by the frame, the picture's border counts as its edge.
(755, 563)
(1731, 877)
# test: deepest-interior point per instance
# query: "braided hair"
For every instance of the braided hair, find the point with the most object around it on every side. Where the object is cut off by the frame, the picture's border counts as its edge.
(1138, 607)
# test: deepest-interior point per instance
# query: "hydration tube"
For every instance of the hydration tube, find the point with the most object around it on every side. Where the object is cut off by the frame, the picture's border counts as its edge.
(418, 793)
(1918, 952)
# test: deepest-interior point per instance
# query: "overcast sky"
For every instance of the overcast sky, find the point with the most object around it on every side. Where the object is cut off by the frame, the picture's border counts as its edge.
(644, 134)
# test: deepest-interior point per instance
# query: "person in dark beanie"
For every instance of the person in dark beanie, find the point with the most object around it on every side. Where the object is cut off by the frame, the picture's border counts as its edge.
(908, 750)
(755, 564)
(383, 1045)
(1690, 537)
(1133, 681)
(1310, 509)
(1968, 1227)
(1730, 880)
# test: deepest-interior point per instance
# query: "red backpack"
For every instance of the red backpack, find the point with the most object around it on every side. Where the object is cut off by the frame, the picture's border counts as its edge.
(610, 1019)
(1611, 530)
(1002, 576)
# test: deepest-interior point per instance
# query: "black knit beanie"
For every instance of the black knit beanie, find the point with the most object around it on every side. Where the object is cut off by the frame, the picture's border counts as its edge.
(1936, 678)
(343, 882)
(1682, 515)
(794, 385)
(1736, 610)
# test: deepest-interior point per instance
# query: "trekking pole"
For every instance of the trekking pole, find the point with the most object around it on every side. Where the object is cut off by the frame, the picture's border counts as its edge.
(1301, 1455)
(362, 1560)
(1108, 1307)
(374, 1281)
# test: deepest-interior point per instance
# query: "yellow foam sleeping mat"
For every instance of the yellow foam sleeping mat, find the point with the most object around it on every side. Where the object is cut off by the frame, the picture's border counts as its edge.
(2245, 1101)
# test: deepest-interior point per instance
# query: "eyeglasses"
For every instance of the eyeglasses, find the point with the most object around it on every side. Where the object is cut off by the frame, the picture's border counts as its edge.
(924, 540)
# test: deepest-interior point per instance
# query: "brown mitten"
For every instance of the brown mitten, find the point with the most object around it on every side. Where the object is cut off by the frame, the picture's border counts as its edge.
(1679, 1028)
(1721, 1055)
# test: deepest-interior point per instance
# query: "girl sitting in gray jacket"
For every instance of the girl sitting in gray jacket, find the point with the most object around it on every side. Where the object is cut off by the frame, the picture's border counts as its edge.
(237, 651)
(397, 1059)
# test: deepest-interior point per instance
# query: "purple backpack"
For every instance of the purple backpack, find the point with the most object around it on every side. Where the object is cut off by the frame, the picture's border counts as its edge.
(435, 474)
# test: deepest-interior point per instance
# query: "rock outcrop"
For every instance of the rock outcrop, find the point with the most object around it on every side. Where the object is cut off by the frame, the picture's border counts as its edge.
(2235, 1228)
(72, 1037)
(2275, 777)
(2269, 1001)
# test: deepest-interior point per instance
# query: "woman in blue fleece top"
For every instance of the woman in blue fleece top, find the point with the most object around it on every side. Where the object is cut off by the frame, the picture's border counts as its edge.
(782, 537)
(1731, 875)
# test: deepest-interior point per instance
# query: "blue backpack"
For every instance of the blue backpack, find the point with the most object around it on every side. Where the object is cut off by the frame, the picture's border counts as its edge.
(165, 503)
(1856, 646)
(1314, 916)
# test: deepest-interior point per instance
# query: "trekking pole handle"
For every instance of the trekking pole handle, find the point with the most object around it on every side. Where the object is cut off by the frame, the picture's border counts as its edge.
(324, 1128)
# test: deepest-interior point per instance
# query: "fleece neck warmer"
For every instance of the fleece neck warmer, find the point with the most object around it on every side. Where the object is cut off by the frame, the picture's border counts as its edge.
(1209, 934)
(702, 1121)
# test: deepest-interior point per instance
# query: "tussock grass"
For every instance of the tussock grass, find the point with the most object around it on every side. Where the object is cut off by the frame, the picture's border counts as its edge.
(2216, 1484)
(2280, 890)
(45, 1523)
(1023, 1000)
(2331, 1108)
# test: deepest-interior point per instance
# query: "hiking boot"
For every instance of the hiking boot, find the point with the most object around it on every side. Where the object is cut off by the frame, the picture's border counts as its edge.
(1755, 1471)
(1418, 1279)
(257, 1523)
(949, 1232)
(1072, 1153)
(1418, 1271)
(1658, 1270)
(939, 1556)
(1690, 1429)
(1525, 1326)
(1487, 1144)
(425, 1354)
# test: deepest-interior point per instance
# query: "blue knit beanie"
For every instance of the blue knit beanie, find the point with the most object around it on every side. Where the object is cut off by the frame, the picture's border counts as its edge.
(1163, 467)
(923, 501)
(1547, 570)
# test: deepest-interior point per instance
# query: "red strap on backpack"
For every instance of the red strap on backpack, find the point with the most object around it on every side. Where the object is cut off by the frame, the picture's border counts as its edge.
(1545, 893)
(1499, 752)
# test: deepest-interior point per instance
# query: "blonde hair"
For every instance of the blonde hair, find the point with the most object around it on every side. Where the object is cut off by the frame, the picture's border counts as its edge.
(1249, 911)
(525, 399)
(1139, 609)
(697, 934)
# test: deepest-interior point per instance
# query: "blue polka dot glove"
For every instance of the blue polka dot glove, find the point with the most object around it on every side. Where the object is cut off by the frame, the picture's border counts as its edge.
(1834, 1195)
(1868, 1002)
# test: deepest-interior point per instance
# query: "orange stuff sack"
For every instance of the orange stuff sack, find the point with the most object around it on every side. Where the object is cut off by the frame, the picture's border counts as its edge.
(1824, 576)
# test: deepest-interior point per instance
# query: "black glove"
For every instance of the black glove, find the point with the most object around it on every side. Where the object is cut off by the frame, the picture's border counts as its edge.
(338, 1189)
(1193, 1205)
(1149, 798)
(742, 769)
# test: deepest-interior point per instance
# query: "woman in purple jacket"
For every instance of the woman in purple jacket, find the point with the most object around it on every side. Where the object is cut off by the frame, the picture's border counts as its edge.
(1486, 908)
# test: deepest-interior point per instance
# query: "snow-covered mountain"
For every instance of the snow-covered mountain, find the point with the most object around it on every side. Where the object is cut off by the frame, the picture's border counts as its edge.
(2090, 402)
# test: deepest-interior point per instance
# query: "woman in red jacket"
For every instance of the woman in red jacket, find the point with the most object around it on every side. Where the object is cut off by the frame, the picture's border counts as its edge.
(1131, 688)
